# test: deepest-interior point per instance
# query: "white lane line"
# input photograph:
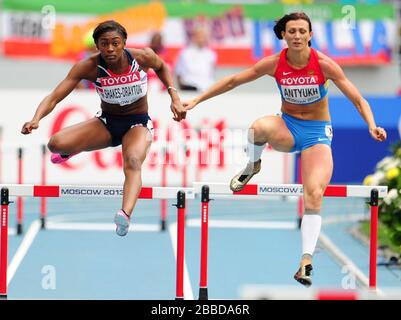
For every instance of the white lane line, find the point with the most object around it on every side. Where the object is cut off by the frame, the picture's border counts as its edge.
(345, 261)
(90, 226)
(22, 250)
(188, 293)
(245, 224)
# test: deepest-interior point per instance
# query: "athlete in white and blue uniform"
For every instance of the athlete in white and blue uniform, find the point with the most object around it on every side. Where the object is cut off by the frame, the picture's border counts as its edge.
(302, 75)
(120, 79)
(123, 90)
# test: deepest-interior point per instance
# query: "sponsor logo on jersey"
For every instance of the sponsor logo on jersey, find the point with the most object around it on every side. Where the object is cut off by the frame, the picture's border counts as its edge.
(120, 79)
(298, 80)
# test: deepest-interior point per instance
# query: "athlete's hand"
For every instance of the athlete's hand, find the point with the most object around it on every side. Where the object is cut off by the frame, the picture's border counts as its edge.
(379, 134)
(178, 110)
(188, 105)
(29, 126)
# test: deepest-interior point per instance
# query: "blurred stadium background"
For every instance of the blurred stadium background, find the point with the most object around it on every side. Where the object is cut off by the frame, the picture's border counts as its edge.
(42, 39)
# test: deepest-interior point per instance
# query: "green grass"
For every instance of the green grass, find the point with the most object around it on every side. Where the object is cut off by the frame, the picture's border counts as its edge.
(383, 235)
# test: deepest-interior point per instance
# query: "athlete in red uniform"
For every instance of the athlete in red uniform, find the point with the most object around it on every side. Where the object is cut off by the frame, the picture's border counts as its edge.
(302, 75)
(120, 79)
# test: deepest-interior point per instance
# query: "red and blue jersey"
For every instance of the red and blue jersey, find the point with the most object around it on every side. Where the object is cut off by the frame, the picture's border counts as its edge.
(301, 86)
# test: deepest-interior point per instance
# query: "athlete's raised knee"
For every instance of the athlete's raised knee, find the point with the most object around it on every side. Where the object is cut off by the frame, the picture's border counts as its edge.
(55, 144)
(257, 133)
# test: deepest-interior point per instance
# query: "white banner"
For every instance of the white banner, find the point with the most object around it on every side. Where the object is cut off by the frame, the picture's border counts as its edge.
(209, 146)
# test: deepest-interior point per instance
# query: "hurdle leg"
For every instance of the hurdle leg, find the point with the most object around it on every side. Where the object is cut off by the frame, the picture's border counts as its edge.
(163, 202)
(374, 216)
(203, 294)
(4, 242)
(180, 245)
(20, 201)
(163, 214)
(300, 198)
(43, 200)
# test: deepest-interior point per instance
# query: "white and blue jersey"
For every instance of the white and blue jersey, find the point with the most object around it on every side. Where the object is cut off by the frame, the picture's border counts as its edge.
(121, 89)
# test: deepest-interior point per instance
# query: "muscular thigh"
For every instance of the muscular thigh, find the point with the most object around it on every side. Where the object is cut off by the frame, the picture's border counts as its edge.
(272, 130)
(84, 136)
(317, 166)
(136, 142)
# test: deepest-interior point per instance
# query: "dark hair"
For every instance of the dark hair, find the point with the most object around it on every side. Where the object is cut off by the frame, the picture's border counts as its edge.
(106, 26)
(280, 24)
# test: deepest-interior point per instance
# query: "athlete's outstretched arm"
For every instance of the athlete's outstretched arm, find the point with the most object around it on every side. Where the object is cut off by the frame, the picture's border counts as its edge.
(49, 102)
(334, 72)
(262, 67)
(149, 59)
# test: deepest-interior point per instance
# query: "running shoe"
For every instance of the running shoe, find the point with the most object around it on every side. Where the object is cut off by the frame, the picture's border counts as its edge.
(122, 221)
(241, 179)
(304, 275)
(58, 158)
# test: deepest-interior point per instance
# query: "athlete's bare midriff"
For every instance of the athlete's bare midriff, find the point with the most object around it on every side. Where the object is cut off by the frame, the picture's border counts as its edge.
(314, 111)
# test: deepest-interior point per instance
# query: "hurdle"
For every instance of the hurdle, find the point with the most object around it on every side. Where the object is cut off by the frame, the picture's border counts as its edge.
(69, 191)
(263, 191)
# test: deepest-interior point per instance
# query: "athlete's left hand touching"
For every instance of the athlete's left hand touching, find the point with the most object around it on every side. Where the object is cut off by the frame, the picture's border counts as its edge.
(178, 110)
(379, 134)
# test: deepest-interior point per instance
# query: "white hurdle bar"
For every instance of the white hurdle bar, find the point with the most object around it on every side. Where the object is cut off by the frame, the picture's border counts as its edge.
(64, 191)
(262, 190)
(73, 191)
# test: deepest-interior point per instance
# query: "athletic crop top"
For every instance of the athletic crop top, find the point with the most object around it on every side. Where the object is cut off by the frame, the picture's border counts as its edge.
(123, 88)
(303, 86)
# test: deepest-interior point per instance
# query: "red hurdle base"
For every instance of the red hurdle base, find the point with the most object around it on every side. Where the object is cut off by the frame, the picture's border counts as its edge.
(203, 292)
(180, 245)
(4, 242)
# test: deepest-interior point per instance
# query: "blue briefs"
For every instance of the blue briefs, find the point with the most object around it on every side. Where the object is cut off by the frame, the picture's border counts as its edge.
(307, 133)
(118, 126)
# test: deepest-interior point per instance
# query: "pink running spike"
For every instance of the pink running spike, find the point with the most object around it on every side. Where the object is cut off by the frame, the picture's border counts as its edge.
(57, 158)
